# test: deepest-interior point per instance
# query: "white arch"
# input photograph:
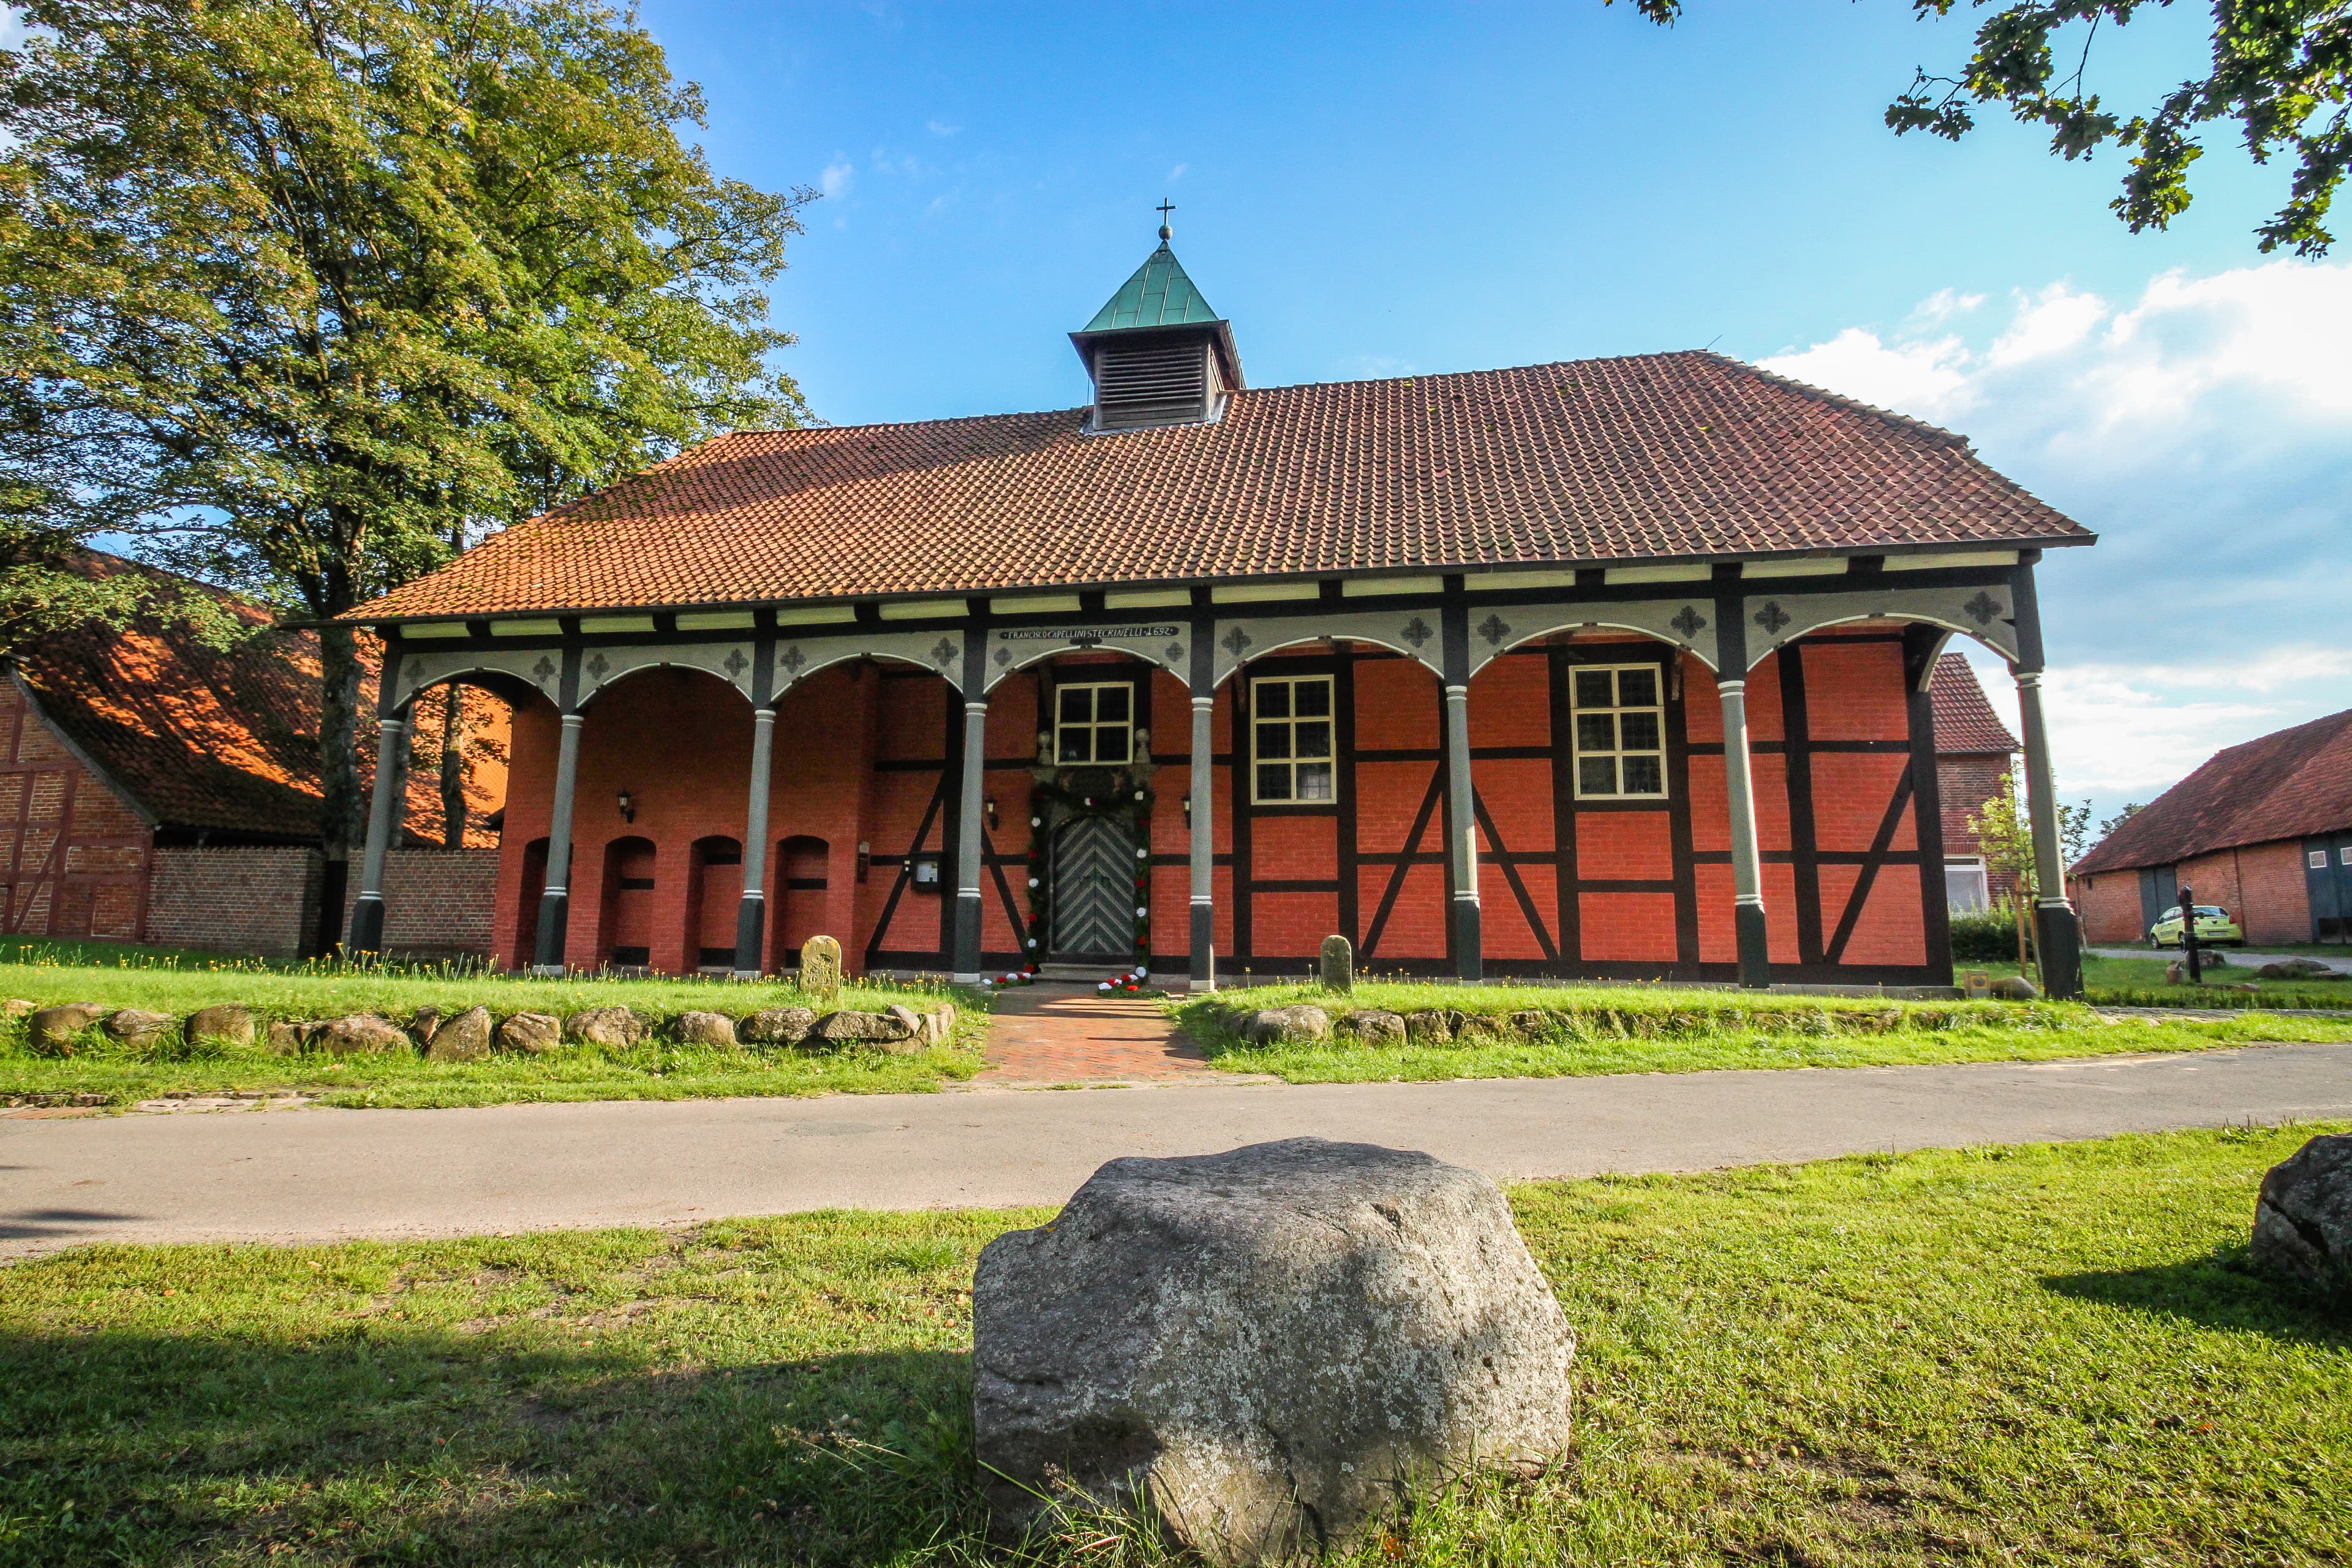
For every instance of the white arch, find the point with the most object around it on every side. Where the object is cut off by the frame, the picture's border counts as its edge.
(1687, 625)
(618, 672)
(542, 669)
(797, 659)
(1412, 634)
(1982, 614)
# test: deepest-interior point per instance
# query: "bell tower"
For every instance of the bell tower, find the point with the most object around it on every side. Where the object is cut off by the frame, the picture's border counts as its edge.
(1157, 355)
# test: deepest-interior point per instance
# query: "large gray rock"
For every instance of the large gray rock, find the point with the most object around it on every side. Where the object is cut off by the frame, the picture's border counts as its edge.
(54, 1030)
(2303, 1220)
(1431, 1026)
(139, 1027)
(1284, 1026)
(361, 1033)
(533, 1033)
(1261, 1347)
(1373, 1026)
(777, 1026)
(2294, 969)
(464, 1039)
(227, 1023)
(604, 1026)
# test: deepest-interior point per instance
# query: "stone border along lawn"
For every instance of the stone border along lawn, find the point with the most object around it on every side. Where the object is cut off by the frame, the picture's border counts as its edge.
(2051, 1353)
(1546, 1031)
(104, 1071)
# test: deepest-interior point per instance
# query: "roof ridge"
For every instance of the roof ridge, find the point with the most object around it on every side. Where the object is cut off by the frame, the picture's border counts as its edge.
(1905, 422)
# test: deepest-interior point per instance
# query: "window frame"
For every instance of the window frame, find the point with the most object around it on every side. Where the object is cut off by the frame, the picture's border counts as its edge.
(1094, 726)
(1576, 749)
(1330, 718)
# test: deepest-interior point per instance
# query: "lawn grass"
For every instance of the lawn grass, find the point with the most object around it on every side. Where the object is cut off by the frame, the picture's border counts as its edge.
(653, 1070)
(1622, 1029)
(2055, 1353)
(2140, 982)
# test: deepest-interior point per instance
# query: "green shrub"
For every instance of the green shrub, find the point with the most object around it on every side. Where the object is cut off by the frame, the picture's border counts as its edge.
(1988, 936)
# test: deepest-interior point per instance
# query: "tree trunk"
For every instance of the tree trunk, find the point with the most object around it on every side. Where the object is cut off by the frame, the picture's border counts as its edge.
(453, 769)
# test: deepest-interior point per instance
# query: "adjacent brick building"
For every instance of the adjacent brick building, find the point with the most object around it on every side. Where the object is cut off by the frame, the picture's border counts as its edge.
(2264, 829)
(1974, 753)
(1613, 668)
(156, 789)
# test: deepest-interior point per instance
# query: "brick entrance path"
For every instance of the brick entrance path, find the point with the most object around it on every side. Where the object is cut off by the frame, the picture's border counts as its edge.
(1057, 1034)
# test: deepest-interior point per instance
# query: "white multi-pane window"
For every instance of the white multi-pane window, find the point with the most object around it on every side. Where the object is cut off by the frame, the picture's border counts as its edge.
(1094, 722)
(1291, 745)
(1621, 731)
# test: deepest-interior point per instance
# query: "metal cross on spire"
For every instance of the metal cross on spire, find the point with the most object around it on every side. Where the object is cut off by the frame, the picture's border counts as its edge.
(1166, 206)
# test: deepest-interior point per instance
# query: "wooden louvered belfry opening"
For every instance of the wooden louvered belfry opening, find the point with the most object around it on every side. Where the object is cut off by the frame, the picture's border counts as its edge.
(1155, 381)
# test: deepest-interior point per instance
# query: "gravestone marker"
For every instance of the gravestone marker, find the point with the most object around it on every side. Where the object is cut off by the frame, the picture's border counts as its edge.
(1337, 965)
(821, 966)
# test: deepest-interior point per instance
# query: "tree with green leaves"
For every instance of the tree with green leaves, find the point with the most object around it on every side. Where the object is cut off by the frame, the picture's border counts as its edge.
(2131, 808)
(2004, 835)
(306, 289)
(2281, 70)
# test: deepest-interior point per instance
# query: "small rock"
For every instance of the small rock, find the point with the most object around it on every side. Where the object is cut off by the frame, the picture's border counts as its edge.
(697, 1027)
(606, 1026)
(1531, 1023)
(1263, 1347)
(1374, 1027)
(423, 1024)
(846, 1027)
(1284, 1026)
(1432, 1026)
(820, 973)
(533, 1033)
(54, 1029)
(464, 1039)
(2296, 969)
(285, 1038)
(777, 1026)
(2303, 1220)
(227, 1023)
(938, 1023)
(137, 1026)
(2015, 989)
(1478, 1029)
(361, 1033)
(15, 1007)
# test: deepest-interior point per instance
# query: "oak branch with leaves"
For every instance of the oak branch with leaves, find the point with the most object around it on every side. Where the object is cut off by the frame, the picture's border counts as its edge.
(2280, 69)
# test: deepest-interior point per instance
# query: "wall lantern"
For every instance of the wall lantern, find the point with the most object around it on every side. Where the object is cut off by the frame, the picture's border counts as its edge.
(990, 804)
(1188, 811)
(628, 804)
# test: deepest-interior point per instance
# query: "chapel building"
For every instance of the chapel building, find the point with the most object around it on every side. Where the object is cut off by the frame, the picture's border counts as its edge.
(1616, 668)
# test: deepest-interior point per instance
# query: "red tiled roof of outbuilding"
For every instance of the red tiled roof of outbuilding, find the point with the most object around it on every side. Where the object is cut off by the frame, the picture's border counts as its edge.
(1965, 720)
(2295, 782)
(1653, 456)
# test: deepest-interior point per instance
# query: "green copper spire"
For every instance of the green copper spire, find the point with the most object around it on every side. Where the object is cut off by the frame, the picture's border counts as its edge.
(1159, 295)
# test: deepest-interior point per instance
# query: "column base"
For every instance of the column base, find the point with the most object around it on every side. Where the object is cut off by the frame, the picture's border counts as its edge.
(971, 979)
(367, 925)
(1202, 963)
(548, 972)
(1469, 957)
(554, 918)
(1755, 946)
(750, 931)
(2058, 933)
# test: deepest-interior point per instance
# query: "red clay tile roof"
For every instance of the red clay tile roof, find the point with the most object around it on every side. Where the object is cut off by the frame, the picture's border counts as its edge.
(2287, 785)
(1674, 455)
(198, 736)
(1965, 721)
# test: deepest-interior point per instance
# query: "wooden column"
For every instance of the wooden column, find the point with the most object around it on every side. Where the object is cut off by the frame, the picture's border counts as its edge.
(2058, 931)
(1460, 797)
(555, 903)
(1746, 858)
(383, 815)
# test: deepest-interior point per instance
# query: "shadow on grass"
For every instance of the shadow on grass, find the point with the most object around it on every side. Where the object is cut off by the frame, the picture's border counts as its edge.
(2225, 1288)
(438, 1447)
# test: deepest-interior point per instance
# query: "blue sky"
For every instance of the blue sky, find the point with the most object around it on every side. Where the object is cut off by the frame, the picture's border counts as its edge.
(1369, 190)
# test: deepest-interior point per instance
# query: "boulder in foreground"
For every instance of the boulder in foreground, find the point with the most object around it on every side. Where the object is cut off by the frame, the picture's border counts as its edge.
(2303, 1221)
(1261, 1347)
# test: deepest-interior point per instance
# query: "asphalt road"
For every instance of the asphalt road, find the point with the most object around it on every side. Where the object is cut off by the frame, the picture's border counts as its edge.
(315, 1174)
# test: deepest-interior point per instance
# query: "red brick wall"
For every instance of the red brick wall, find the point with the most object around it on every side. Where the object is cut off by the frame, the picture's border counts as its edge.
(2109, 906)
(74, 856)
(437, 903)
(1966, 782)
(260, 900)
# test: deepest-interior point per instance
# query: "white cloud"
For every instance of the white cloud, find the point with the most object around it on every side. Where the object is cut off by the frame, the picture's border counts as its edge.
(2204, 429)
(835, 179)
(1177, 172)
(941, 128)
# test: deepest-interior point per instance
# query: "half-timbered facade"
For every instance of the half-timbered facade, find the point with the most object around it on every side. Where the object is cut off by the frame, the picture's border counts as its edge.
(1617, 668)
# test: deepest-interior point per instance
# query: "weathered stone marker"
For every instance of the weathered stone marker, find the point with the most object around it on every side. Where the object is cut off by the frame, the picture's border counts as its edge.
(1336, 967)
(2303, 1221)
(1260, 1347)
(821, 966)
